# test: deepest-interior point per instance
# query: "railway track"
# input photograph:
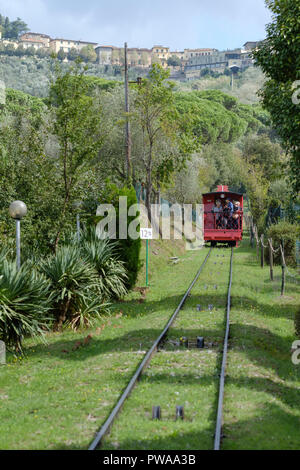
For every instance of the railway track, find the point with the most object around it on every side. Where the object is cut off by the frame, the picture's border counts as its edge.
(96, 443)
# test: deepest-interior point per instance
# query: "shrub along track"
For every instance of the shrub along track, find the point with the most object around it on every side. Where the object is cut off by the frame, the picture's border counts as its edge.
(180, 376)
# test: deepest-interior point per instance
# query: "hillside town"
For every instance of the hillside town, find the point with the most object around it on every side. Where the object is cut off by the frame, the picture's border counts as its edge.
(190, 61)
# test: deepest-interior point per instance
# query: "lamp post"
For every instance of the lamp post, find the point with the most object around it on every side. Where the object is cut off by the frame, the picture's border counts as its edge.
(76, 206)
(18, 210)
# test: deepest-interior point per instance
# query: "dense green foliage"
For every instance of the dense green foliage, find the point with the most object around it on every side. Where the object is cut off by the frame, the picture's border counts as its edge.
(166, 137)
(104, 255)
(217, 117)
(174, 61)
(32, 74)
(74, 285)
(88, 54)
(279, 58)
(238, 149)
(70, 147)
(25, 302)
(28, 70)
(246, 84)
(129, 249)
(223, 131)
(76, 127)
(27, 173)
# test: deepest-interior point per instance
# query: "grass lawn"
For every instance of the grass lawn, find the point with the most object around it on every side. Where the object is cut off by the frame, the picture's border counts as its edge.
(57, 397)
(60, 394)
(261, 403)
(262, 394)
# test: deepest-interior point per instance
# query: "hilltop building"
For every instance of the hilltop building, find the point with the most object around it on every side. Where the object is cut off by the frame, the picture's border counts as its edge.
(139, 57)
(218, 61)
(35, 40)
(111, 55)
(104, 54)
(7, 42)
(66, 45)
(161, 53)
(189, 53)
(250, 45)
(192, 61)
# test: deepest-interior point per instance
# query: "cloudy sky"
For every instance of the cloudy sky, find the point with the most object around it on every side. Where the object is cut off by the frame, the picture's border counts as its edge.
(223, 24)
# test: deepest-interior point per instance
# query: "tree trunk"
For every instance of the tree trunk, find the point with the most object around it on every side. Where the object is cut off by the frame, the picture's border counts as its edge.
(62, 317)
(66, 201)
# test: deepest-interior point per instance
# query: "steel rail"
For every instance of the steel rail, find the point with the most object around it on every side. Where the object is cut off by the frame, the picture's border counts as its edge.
(106, 426)
(218, 432)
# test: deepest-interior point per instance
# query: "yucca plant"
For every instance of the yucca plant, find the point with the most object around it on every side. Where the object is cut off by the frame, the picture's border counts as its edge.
(74, 282)
(88, 311)
(111, 271)
(3, 256)
(25, 302)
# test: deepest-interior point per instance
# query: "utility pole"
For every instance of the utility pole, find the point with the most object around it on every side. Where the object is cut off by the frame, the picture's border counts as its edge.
(127, 126)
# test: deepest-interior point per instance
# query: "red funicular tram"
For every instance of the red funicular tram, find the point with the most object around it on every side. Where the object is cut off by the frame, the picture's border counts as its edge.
(223, 216)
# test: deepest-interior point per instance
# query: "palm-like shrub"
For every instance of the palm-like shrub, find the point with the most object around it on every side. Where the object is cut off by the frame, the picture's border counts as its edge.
(3, 257)
(89, 308)
(111, 271)
(74, 282)
(25, 301)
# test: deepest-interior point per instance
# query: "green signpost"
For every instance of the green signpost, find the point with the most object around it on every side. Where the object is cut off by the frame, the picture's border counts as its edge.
(147, 261)
(146, 234)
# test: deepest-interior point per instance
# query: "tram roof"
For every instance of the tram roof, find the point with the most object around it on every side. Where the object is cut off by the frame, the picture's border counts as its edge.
(228, 193)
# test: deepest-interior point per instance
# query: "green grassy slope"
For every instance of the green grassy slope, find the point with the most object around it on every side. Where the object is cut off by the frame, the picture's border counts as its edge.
(60, 394)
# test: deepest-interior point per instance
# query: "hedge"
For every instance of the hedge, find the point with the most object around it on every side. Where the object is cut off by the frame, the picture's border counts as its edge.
(288, 233)
(129, 250)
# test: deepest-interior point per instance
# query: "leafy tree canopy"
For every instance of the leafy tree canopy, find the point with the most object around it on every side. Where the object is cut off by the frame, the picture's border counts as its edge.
(12, 29)
(278, 56)
(174, 61)
(88, 54)
(217, 117)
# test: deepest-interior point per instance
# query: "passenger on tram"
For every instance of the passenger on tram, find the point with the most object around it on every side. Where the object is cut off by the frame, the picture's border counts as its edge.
(235, 217)
(218, 210)
(228, 211)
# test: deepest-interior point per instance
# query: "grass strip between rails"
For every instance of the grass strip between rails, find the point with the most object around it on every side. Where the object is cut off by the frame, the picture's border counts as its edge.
(180, 376)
